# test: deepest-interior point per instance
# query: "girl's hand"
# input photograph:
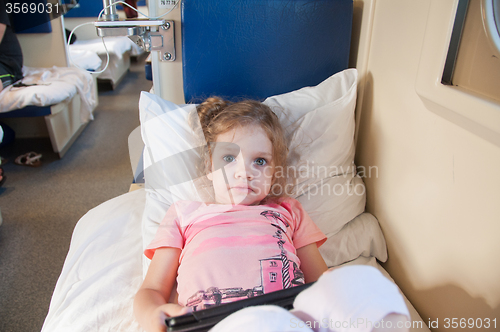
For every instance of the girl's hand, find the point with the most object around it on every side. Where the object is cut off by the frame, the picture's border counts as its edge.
(158, 316)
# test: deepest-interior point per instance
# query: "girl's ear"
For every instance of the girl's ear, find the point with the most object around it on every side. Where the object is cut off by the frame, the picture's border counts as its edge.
(210, 177)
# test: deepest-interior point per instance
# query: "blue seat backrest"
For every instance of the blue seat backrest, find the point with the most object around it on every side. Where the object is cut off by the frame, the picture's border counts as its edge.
(31, 16)
(86, 8)
(258, 48)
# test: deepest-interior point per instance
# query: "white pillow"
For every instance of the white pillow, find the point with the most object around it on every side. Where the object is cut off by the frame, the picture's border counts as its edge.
(361, 236)
(169, 157)
(319, 122)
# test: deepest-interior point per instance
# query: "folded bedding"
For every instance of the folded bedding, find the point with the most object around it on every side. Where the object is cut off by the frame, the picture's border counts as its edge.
(136, 50)
(116, 65)
(50, 86)
(114, 45)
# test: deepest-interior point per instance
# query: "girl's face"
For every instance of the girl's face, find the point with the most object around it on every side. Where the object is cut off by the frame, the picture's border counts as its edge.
(242, 166)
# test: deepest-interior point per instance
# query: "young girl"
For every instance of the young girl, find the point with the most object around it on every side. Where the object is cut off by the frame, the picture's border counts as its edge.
(252, 239)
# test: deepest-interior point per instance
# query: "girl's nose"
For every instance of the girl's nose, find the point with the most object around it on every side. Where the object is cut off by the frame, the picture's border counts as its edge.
(243, 170)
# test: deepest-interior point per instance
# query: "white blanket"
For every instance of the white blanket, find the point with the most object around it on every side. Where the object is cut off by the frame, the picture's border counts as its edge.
(51, 86)
(103, 270)
(360, 294)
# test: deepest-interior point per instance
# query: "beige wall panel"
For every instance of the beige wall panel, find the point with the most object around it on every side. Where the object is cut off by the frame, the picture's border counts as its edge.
(45, 49)
(437, 190)
(84, 31)
(167, 75)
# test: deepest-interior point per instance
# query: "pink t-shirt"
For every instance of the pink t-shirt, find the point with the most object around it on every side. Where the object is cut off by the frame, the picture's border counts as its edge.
(234, 252)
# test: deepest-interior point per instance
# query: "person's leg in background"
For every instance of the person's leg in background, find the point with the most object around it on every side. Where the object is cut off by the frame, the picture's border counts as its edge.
(129, 12)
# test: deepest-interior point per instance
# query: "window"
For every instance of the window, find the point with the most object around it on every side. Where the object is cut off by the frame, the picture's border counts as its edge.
(470, 99)
(473, 59)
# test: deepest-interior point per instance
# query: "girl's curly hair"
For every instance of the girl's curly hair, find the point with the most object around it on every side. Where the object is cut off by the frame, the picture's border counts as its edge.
(217, 116)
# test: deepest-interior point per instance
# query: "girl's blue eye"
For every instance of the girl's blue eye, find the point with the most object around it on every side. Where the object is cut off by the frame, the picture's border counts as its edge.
(228, 158)
(260, 161)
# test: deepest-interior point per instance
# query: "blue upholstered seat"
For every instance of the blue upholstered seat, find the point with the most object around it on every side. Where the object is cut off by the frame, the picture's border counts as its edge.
(28, 111)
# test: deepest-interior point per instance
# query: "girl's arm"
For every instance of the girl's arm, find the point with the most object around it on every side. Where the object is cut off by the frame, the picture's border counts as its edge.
(150, 303)
(311, 262)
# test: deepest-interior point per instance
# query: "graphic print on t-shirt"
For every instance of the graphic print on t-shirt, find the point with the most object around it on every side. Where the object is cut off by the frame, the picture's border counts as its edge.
(275, 273)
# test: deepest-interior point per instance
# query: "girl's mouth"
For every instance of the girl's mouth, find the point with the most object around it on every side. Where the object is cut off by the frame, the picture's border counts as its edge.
(245, 189)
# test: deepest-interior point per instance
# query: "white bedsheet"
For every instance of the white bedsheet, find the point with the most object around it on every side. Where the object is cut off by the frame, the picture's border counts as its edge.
(51, 86)
(115, 45)
(103, 270)
(84, 59)
(119, 49)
